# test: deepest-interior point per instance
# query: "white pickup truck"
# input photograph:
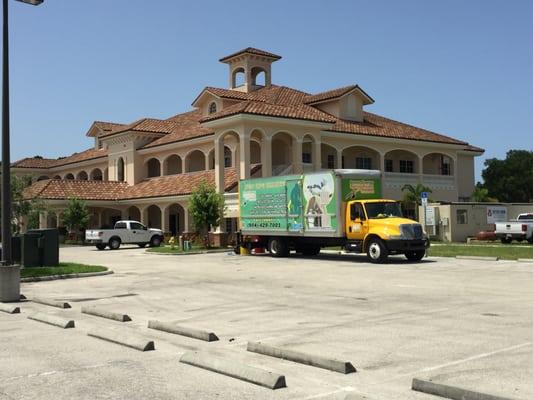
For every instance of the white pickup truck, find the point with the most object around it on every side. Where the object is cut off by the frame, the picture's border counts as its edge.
(125, 232)
(519, 229)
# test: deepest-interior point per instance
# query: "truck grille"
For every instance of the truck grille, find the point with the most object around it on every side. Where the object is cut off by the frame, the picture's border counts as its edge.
(412, 231)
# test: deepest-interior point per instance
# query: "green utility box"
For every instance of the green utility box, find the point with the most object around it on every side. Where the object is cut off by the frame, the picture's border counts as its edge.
(40, 247)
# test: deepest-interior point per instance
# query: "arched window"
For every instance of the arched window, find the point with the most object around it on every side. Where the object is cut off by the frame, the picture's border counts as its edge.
(238, 78)
(120, 169)
(212, 108)
(258, 76)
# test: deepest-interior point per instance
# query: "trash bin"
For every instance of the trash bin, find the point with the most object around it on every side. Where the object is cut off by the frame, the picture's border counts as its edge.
(15, 249)
(31, 252)
(49, 245)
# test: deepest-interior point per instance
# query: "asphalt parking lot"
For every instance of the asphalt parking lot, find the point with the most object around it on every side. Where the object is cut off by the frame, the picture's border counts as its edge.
(459, 322)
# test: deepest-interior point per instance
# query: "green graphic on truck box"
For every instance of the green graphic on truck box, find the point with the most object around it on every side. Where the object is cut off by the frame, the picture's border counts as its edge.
(358, 189)
(289, 203)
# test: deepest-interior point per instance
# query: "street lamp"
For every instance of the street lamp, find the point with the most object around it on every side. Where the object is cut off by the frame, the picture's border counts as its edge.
(7, 277)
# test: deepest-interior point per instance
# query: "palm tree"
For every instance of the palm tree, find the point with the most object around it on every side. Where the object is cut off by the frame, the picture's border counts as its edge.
(413, 195)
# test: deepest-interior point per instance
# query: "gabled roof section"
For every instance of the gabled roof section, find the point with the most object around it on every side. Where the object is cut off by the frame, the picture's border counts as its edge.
(55, 189)
(99, 128)
(150, 125)
(250, 50)
(185, 126)
(337, 93)
(47, 163)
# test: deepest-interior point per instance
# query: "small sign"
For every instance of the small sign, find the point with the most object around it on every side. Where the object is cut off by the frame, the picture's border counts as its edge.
(430, 216)
(424, 195)
(496, 214)
(424, 201)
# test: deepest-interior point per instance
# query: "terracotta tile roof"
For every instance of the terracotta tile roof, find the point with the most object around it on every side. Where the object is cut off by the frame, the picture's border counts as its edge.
(34, 162)
(102, 128)
(376, 125)
(250, 50)
(173, 185)
(89, 154)
(46, 163)
(333, 94)
(474, 149)
(303, 112)
(151, 125)
(55, 189)
(185, 126)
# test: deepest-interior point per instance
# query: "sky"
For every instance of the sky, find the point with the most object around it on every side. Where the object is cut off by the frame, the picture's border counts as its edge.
(459, 68)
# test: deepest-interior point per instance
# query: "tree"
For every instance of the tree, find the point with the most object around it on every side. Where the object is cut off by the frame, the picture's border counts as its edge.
(206, 207)
(76, 216)
(510, 180)
(412, 195)
(481, 194)
(22, 206)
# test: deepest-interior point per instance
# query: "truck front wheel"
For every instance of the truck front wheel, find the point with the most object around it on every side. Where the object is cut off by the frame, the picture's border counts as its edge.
(377, 252)
(155, 242)
(415, 255)
(100, 246)
(278, 247)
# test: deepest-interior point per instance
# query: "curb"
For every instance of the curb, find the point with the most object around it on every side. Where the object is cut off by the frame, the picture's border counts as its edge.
(184, 331)
(136, 343)
(9, 309)
(105, 314)
(234, 369)
(451, 392)
(52, 320)
(527, 260)
(49, 302)
(344, 367)
(477, 258)
(66, 276)
(188, 253)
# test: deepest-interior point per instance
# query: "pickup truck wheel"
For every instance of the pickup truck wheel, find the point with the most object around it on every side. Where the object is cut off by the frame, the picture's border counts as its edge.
(155, 241)
(506, 241)
(377, 252)
(278, 247)
(114, 243)
(530, 240)
(101, 246)
(415, 255)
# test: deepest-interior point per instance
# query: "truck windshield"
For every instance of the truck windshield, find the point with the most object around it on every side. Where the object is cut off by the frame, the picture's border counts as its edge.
(383, 210)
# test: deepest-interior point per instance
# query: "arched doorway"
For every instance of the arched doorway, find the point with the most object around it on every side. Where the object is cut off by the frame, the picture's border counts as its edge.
(360, 157)
(82, 176)
(329, 156)
(96, 174)
(153, 168)
(172, 165)
(195, 161)
(437, 164)
(282, 153)
(69, 177)
(176, 219)
(134, 213)
(153, 217)
(401, 161)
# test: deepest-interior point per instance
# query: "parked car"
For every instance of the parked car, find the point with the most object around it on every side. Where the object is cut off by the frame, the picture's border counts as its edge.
(124, 232)
(519, 229)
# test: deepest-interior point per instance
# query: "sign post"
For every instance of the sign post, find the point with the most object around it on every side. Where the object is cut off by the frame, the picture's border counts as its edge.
(424, 199)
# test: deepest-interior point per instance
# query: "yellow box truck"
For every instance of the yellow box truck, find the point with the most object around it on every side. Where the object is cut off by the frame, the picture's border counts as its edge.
(340, 207)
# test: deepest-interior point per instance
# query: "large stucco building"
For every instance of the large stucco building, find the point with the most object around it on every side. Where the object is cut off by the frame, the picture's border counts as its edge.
(146, 169)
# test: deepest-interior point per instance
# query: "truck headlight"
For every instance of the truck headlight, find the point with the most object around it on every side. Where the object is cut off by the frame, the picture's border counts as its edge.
(396, 237)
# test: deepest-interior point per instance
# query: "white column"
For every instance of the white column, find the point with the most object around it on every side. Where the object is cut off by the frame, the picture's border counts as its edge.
(266, 156)
(339, 159)
(183, 164)
(165, 216)
(317, 155)
(207, 161)
(144, 216)
(124, 214)
(186, 219)
(100, 221)
(421, 169)
(382, 162)
(244, 152)
(219, 165)
(43, 220)
(58, 218)
(297, 166)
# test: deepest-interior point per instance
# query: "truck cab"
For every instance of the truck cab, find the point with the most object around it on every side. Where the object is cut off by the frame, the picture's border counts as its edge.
(377, 227)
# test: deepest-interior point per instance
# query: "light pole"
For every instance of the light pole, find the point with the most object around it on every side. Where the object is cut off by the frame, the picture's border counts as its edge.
(6, 277)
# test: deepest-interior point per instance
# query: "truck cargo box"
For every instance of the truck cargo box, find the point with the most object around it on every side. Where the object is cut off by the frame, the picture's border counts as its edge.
(303, 205)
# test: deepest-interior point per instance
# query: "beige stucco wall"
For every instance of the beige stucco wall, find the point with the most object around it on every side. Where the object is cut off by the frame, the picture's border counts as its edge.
(466, 175)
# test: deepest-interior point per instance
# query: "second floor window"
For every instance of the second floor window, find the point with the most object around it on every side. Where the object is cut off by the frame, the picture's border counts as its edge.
(406, 166)
(389, 166)
(306, 158)
(212, 108)
(445, 166)
(363, 163)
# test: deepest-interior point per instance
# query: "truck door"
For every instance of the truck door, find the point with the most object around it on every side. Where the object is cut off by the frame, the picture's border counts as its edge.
(356, 221)
(137, 233)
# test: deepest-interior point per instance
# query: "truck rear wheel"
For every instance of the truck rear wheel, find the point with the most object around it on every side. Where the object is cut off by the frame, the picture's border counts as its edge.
(506, 240)
(277, 247)
(377, 252)
(101, 246)
(155, 241)
(114, 243)
(415, 255)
